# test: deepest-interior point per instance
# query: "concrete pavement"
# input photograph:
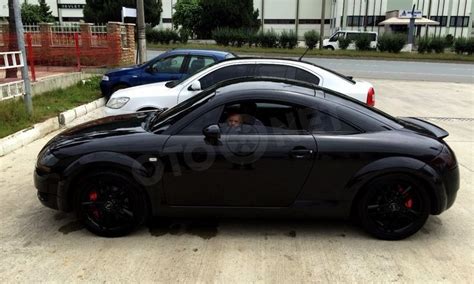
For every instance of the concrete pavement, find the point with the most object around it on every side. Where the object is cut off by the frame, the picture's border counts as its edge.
(42, 245)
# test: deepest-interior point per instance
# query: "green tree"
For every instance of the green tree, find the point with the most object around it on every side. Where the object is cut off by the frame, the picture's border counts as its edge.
(32, 13)
(45, 12)
(103, 11)
(226, 13)
(187, 15)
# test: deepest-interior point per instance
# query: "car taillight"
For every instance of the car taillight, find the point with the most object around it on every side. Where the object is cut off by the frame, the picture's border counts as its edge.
(371, 97)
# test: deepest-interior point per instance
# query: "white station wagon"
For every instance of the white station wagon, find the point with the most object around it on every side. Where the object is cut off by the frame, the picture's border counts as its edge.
(167, 94)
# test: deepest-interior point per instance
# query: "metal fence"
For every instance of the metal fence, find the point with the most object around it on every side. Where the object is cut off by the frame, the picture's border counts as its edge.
(34, 31)
(64, 35)
(11, 60)
(99, 36)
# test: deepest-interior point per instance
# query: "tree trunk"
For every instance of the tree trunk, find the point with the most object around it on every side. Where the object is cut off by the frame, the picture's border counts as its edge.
(12, 42)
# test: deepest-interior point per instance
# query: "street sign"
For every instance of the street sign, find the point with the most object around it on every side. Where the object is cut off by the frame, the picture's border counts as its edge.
(406, 14)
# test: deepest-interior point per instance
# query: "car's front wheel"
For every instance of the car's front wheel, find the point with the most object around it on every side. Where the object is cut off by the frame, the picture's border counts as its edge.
(394, 207)
(110, 204)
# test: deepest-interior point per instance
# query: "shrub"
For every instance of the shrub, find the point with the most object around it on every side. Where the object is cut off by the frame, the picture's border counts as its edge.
(252, 38)
(362, 42)
(222, 36)
(344, 43)
(424, 45)
(161, 36)
(464, 45)
(268, 39)
(391, 42)
(292, 39)
(288, 39)
(470, 46)
(238, 37)
(311, 38)
(449, 40)
(184, 35)
(437, 44)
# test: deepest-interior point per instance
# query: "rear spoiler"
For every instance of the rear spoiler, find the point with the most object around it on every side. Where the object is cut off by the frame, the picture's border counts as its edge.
(423, 126)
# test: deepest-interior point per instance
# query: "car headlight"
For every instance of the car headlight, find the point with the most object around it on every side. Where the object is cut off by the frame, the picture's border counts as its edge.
(105, 78)
(117, 102)
(46, 160)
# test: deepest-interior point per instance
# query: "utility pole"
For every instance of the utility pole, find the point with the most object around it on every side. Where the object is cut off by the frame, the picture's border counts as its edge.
(411, 28)
(366, 18)
(323, 20)
(141, 31)
(21, 46)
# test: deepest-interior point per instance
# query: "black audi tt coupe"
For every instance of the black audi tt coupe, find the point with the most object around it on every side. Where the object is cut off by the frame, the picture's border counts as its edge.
(252, 147)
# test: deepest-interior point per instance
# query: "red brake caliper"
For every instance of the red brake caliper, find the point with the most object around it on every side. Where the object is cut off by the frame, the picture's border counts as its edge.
(93, 197)
(408, 201)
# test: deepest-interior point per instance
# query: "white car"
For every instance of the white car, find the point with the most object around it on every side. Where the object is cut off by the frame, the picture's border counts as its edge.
(333, 41)
(167, 94)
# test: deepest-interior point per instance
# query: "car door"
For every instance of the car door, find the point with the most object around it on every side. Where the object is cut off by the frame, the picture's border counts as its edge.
(264, 162)
(224, 73)
(165, 69)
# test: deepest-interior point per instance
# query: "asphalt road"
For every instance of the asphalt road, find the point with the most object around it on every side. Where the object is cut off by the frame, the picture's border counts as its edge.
(393, 70)
(42, 245)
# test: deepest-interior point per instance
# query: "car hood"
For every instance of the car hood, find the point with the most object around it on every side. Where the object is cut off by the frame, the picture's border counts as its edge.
(148, 90)
(106, 128)
(124, 70)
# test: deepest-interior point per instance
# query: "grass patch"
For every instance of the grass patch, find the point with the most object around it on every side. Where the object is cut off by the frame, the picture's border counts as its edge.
(413, 56)
(13, 116)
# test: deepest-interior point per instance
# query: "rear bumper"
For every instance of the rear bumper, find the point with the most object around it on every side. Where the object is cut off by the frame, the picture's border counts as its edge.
(451, 184)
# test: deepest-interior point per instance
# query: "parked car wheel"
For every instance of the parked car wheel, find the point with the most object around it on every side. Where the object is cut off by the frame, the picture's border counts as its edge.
(394, 207)
(329, 47)
(110, 204)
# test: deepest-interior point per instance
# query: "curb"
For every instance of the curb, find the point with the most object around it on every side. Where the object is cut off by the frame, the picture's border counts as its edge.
(24, 137)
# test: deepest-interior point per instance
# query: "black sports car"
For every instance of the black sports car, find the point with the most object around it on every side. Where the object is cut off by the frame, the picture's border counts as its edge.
(252, 147)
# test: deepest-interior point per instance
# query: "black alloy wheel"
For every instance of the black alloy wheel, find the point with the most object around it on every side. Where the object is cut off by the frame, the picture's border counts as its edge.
(394, 207)
(110, 204)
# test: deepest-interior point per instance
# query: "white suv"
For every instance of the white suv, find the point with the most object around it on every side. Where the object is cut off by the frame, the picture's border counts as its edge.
(168, 94)
(333, 41)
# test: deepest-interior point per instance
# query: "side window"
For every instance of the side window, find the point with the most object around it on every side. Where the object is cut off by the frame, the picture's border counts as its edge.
(264, 118)
(271, 70)
(197, 125)
(225, 73)
(196, 63)
(170, 64)
(301, 75)
(352, 36)
(372, 36)
(318, 122)
(336, 37)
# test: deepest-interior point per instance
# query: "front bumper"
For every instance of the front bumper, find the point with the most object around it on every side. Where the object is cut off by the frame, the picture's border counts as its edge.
(106, 88)
(48, 186)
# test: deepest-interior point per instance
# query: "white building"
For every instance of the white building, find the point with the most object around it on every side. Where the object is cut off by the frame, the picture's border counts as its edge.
(454, 16)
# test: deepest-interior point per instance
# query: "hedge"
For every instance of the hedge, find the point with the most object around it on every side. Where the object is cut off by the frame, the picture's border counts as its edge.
(393, 43)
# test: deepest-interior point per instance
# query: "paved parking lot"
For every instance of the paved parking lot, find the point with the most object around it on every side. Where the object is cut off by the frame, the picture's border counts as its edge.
(39, 244)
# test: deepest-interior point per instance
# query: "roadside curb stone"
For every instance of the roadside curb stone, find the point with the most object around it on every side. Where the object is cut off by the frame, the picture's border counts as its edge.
(24, 137)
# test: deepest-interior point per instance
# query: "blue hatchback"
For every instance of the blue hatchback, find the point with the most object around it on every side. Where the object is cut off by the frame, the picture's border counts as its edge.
(169, 66)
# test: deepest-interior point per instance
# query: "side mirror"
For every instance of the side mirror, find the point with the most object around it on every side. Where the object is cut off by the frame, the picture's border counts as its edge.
(195, 86)
(213, 132)
(149, 69)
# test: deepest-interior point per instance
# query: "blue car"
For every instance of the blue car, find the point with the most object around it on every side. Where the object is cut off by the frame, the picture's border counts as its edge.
(169, 66)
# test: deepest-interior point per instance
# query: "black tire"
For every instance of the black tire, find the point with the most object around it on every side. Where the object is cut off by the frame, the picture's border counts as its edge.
(329, 48)
(393, 207)
(110, 204)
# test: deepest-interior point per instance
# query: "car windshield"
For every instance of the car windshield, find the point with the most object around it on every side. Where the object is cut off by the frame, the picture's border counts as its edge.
(160, 121)
(172, 84)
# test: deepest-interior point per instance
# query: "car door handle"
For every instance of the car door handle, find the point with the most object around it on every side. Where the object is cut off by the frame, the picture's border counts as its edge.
(301, 153)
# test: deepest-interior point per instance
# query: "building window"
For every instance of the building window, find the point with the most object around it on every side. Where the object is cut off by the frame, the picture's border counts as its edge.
(459, 21)
(442, 20)
(313, 21)
(355, 21)
(280, 21)
(167, 21)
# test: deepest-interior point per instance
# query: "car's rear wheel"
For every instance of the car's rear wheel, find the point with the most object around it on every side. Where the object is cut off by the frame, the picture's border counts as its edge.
(110, 204)
(394, 207)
